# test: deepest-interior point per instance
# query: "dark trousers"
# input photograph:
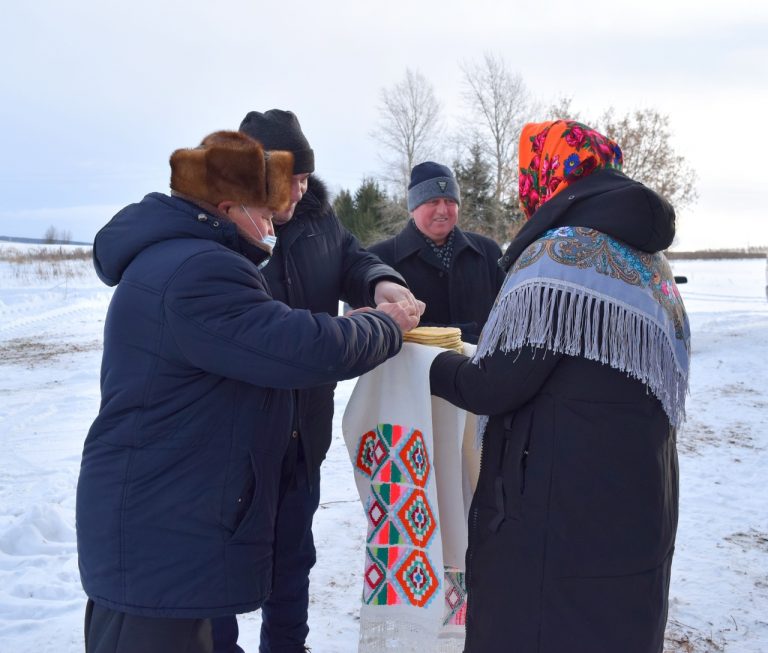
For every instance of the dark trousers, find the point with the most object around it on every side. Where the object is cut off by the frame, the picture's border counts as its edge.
(110, 631)
(284, 614)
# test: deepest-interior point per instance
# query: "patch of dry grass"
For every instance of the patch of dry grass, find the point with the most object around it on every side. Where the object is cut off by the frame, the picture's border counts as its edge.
(44, 254)
(50, 264)
(680, 638)
(31, 352)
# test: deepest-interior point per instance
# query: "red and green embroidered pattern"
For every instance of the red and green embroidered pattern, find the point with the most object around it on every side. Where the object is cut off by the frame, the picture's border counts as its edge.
(401, 522)
(455, 598)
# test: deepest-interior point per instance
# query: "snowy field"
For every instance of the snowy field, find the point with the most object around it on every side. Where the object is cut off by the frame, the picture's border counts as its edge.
(51, 318)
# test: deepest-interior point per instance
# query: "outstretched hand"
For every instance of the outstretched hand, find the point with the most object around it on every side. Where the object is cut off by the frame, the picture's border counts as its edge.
(389, 291)
(405, 315)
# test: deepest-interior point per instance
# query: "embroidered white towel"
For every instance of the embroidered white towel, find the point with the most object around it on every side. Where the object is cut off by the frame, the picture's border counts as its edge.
(415, 470)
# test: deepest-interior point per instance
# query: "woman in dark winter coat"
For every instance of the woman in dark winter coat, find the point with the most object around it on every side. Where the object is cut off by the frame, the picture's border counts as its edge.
(180, 473)
(582, 371)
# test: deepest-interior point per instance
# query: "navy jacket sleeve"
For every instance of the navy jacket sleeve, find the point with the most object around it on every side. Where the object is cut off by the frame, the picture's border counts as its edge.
(224, 321)
(500, 383)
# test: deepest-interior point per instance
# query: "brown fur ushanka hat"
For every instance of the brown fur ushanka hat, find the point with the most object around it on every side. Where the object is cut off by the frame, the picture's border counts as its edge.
(230, 165)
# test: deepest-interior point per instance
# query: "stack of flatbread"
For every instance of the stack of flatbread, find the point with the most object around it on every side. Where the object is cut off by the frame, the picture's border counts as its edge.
(445, 337)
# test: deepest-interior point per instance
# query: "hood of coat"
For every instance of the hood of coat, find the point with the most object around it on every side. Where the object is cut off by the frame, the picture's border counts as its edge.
(609, 202)
(154, 219)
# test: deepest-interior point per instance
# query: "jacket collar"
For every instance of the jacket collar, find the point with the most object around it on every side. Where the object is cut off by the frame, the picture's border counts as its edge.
(315, 199)
(289, 232)
(410, 241)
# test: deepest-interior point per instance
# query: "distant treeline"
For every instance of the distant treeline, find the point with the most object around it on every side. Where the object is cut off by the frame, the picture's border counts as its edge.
(42, 241)
(751, 252)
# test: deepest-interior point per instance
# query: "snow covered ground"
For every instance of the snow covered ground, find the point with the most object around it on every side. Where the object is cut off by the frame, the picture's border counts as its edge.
(51, 317)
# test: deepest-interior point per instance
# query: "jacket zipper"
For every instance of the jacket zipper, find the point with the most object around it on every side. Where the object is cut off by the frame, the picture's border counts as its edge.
(473, 531)
(296, 395)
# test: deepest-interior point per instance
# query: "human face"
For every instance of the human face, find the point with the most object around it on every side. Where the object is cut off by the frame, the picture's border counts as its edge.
(253, 222)
(298, 188)
(436, 217)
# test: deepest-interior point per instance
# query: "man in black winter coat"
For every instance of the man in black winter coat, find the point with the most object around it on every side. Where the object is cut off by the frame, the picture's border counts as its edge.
(454, 272)
(315, 264)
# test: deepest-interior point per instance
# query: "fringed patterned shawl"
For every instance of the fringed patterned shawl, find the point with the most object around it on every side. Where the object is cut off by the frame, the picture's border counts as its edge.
(579, 292)
(573, 289)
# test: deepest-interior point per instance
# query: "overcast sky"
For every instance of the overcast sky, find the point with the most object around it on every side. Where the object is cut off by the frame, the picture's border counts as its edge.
(96, 95)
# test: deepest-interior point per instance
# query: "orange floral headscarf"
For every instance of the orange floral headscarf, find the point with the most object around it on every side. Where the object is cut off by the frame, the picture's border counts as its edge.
(557, 153)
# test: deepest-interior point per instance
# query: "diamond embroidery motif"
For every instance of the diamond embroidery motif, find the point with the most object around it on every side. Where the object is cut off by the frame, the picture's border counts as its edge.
(453, 598)
(379, 452)
(364, 460)
(417, 518)
(376, 513)
(415, 458)
(373, 576)
(373, 450)
(417, 579)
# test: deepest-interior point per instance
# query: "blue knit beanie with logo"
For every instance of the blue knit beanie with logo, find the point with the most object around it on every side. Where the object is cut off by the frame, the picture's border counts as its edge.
(430, 180)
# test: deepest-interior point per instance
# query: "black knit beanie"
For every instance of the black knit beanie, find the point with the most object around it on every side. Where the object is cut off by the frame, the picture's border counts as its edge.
(280, 130)
(430, 180)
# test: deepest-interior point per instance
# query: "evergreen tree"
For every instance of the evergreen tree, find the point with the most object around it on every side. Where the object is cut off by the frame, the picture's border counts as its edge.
(369, 201)
(367, 214)
(344, 207)
(481, 212)
(474, 178)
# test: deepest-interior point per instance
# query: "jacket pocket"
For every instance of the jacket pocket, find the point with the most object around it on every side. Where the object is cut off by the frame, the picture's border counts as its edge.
(510, 480)
(242, 505)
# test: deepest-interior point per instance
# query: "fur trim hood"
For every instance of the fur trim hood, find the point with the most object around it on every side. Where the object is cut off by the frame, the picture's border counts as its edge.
(317, 197)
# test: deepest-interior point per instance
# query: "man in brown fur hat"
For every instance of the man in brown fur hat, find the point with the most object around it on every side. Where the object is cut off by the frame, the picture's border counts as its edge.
(180, 477)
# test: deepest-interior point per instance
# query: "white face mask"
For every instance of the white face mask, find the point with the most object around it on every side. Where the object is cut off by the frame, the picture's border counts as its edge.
(268, 241)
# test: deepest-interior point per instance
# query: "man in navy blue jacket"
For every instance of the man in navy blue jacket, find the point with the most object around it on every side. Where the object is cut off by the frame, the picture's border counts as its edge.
(181, 470)
(316, 263)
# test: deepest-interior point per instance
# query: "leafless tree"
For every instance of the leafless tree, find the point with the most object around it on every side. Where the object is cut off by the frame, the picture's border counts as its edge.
(499, 105)
(54, 235)
(51, 235)
(410, 121)
(645, 139)
(561, 109)
(644, 136)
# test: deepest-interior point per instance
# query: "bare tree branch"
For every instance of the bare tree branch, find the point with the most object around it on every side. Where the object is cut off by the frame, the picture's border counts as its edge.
(499, 104)
(410, 122)
(644, 137)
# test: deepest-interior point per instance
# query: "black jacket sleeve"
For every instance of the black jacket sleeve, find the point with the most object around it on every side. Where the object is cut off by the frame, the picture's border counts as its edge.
(362, 271)
(498, 384)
